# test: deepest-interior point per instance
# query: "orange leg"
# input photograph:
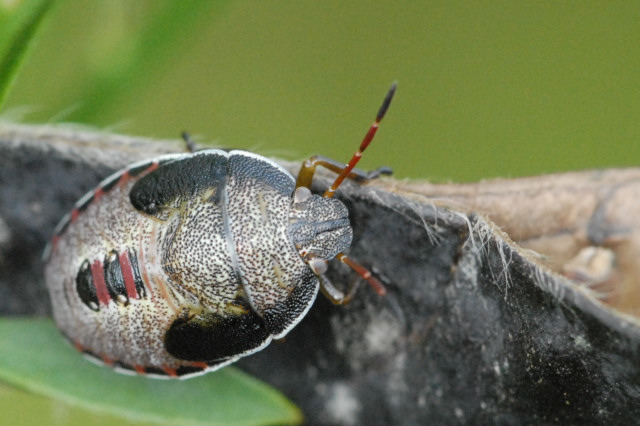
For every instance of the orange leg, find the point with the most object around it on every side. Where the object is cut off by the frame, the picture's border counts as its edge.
(308, 169)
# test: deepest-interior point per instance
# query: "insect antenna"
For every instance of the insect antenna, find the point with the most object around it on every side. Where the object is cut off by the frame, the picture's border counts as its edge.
(364, 144)
(359, 269)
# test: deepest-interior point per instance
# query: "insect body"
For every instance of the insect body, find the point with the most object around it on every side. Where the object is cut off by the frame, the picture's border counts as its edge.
(185, 263)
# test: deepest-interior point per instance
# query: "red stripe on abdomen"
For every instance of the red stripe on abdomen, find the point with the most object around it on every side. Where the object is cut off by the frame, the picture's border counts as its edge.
(97, 271)
(127, 274)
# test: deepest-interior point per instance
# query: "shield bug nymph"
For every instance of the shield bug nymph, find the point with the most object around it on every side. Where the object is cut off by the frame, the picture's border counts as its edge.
(184, 263)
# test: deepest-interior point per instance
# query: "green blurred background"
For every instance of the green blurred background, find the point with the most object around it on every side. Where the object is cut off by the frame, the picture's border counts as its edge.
(486, 89)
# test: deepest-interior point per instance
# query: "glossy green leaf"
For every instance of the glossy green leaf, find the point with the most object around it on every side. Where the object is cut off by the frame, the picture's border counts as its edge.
(20, 31)
(36, 358)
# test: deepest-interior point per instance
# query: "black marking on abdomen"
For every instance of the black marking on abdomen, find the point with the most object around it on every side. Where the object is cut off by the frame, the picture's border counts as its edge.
(137, 278)
(210, 337)
(114, 279)
(86, 288)
(184, 177)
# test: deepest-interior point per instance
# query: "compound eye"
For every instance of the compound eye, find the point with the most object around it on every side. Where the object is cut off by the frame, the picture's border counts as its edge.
(318, 266)
(301, 194)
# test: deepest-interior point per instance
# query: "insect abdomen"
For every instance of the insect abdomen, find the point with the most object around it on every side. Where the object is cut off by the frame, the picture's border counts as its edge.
(117, 278)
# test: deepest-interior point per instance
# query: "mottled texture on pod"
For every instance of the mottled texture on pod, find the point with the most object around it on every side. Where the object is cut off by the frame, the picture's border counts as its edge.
(185, 263)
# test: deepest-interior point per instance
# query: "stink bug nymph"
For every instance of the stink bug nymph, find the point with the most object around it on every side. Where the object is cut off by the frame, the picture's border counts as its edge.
(184, 263)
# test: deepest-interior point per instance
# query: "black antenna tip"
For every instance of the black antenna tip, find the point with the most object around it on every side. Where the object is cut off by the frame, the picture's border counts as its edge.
(387, 101)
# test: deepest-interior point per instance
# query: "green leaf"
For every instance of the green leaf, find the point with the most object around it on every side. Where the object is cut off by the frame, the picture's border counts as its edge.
(131, 64)
(21, 38)
(36, 358)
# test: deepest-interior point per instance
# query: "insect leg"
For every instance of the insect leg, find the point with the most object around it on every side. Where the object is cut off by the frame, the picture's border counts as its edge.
(364, 273)
(344, 171)
(334, 295)
(338, 297)
(308, 169)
